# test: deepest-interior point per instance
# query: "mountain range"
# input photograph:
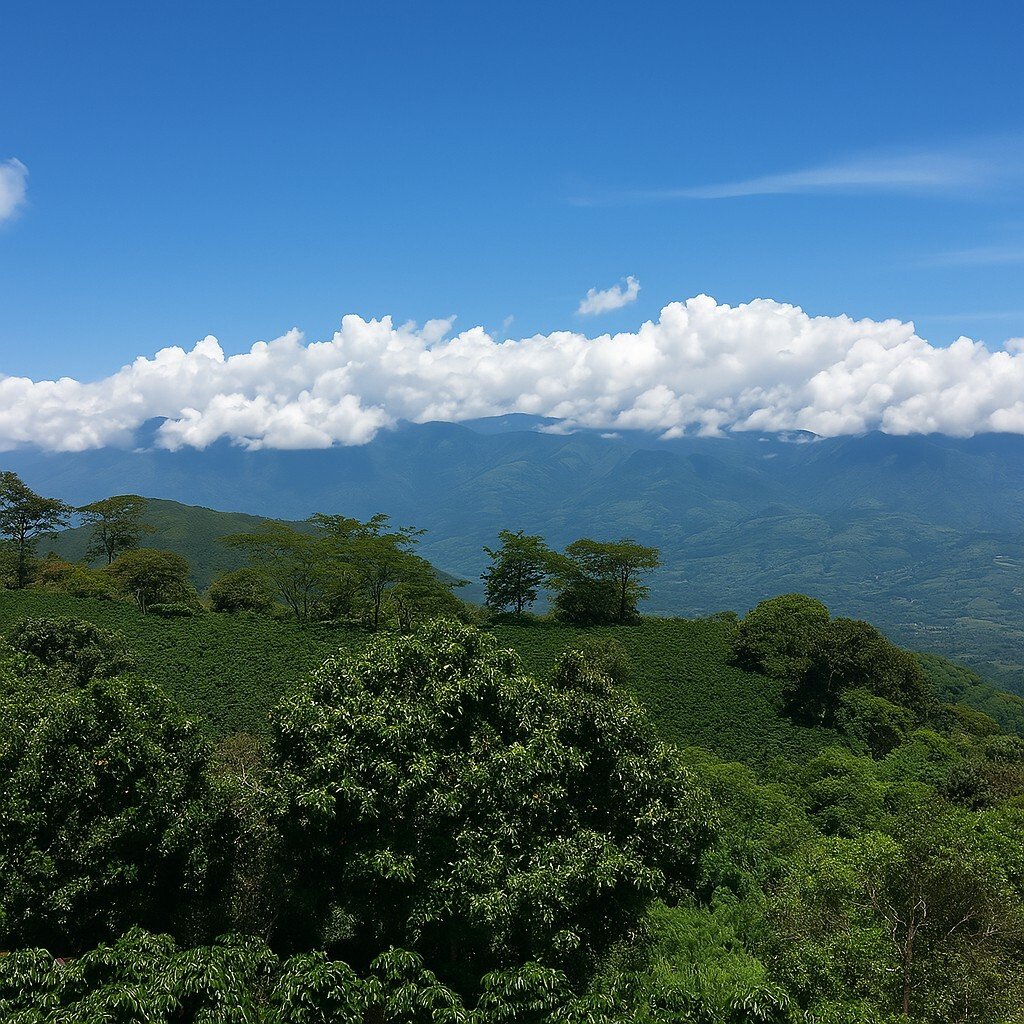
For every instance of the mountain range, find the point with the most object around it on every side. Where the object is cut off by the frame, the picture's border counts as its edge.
(923, 535)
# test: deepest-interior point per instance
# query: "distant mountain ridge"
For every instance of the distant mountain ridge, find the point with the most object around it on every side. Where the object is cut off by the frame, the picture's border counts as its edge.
(923, 535)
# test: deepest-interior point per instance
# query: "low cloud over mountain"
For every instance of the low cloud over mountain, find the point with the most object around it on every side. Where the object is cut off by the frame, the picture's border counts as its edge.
(700, 367)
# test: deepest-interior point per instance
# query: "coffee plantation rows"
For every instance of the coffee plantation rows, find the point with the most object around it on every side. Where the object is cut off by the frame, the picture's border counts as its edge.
(229, 671)
(680, 672)
(225, 671)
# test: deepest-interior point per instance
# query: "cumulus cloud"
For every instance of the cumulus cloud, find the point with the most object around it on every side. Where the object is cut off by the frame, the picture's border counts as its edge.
(13, 187)
(701, 367)
(616, 297)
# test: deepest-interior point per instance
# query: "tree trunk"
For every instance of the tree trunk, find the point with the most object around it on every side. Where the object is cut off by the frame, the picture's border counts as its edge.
(22, 560)
(908, 960)
(905, 1003)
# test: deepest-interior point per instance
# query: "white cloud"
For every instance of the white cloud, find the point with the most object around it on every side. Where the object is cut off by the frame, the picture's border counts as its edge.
(925, 171)
(700, 367)
(976, 166)
(616, 297)
(992, 255)
(13, 187)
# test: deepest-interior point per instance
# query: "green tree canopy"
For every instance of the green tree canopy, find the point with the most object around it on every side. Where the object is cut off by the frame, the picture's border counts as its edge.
(840, 672)
(849, 655)
(106, 812)
(73, 648)
(240, 980)
(924, 920)
(434, 796)
(779, 636)
(152, 577)
(241, 590)
(116, 525)
(601, 581)
(521, 565)
(75, 579)
(342, 567)
(25, 517)
(380, 562)
(291, 560)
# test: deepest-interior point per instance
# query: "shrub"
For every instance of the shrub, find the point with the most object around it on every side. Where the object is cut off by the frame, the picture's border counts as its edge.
(240, 590)
(175, 610)
(81, 650)
(74, 579)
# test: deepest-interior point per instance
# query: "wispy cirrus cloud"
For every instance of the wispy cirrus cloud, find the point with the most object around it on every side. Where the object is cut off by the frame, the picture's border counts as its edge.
(606, 299)
(980, 256)
(920, 172)
(968, 168)
(13, 187)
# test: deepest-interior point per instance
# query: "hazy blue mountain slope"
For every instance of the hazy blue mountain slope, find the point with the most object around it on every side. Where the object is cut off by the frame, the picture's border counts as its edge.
(923, 535)
(189, 531)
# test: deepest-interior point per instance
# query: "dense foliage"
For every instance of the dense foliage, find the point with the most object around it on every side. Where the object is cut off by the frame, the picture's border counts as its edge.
(72, 647)
(598, 582)
(105, 807)
(341, 568)
(437, 797)
(838, 672)
(241, 590)
(518, 569)
(884, 528)
(151, 577)
(430, 827)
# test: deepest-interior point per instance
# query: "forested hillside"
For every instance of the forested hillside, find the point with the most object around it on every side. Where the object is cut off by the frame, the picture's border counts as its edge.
(327, 788)
(187, 530)
(881, 527)
(510, 823)
(228, 671)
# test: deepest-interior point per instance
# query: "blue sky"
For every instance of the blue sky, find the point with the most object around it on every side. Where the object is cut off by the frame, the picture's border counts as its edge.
(239, 169)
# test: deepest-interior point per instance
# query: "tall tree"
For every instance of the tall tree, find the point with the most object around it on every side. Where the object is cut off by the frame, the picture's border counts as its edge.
(379, 559)
(153, 577)
(25, 517)
(521, 565)
(600, 581)
(344, 564)
(849, 655)
(116, 525)
(921, 921)
(292, 560)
